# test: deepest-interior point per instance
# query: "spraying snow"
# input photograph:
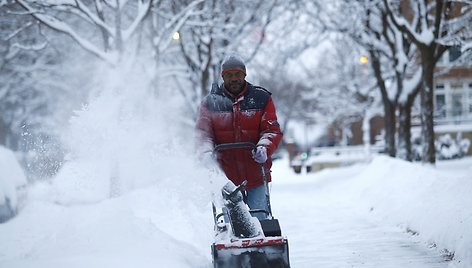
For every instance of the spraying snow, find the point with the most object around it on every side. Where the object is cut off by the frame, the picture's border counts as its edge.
(131, 147)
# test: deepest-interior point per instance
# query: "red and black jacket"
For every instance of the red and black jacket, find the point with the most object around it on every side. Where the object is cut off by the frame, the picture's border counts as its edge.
(248, 117)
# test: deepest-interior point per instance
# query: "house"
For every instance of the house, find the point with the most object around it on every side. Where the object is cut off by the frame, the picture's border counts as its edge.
(452, 102)
(453, 95)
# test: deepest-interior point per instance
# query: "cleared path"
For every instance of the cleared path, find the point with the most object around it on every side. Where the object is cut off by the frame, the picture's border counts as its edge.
(326, 230)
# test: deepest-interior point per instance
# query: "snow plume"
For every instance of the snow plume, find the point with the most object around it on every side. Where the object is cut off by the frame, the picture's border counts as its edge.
(126, 138)
(130, 175)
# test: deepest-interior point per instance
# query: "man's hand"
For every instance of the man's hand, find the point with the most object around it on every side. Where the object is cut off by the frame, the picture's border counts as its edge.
(260, 154)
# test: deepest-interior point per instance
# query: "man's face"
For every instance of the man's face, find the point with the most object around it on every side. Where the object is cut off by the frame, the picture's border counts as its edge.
(234, 81)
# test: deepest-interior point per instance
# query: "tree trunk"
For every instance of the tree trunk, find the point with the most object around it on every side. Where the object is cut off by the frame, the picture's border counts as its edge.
(118, 36)
(427, 95)
(366, 132)
(205, 78)
(105, 35)
(404, 128)
(3, 132)
(389, 107)
(204, 87)
(404, 132)
(389, 121)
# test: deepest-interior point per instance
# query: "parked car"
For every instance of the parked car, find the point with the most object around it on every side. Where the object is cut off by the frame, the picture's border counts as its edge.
(12, 181)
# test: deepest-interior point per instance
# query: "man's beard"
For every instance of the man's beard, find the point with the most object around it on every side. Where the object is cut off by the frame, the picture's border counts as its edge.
(235, 87)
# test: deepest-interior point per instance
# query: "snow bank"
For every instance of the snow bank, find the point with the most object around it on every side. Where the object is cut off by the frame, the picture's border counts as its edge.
(434, 203)
(11, 177)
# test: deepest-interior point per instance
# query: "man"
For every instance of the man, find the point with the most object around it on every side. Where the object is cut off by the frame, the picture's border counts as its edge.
(238, 111)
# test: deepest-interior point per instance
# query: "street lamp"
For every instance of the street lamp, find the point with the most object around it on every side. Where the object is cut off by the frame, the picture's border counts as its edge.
(176, 36)
(364, 59)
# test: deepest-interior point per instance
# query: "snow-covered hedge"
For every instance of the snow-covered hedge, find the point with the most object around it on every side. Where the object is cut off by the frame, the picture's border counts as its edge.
(446, 147)
(449, 148)
(12, 178)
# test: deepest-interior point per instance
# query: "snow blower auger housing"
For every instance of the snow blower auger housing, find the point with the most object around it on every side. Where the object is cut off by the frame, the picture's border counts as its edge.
(243, 240)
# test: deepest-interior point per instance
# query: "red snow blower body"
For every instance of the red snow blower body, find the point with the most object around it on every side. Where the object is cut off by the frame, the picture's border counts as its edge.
(241, 239)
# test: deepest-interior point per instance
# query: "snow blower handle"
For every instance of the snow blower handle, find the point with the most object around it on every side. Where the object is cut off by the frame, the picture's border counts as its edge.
(240, 145)
(236, 145)
(230, 146)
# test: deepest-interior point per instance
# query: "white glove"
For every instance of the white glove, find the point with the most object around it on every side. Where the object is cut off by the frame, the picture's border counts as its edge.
(260, 154)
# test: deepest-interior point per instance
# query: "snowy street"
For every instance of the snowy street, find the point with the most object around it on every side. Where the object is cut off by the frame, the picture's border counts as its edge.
(353, 216)
(330, 231)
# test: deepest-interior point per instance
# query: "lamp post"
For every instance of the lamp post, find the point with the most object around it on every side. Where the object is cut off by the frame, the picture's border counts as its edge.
(364, 60)
(176, 36)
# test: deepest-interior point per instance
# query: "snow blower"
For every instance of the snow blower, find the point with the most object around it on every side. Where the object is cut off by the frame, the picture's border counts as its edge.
(241, 239)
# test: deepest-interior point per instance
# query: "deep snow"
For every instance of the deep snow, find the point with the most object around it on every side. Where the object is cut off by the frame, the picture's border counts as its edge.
(347, 217)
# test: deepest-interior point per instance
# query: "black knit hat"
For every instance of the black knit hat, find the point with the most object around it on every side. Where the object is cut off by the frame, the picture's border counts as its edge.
(233, 62)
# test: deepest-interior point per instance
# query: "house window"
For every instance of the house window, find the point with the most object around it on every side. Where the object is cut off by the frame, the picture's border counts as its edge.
(456, 103)
(470, 99)
(454, 53)
(440, 105)
(440, 101)
(470, 102)
(456, 86)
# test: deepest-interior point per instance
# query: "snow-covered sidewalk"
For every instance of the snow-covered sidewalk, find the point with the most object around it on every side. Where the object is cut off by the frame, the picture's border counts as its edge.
(349, 217)
(355, 216)
(328, 232)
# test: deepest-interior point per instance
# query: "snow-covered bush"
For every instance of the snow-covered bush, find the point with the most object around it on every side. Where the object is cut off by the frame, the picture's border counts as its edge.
(416, 148)
(449, 148)
(12, 178)
(446, 147)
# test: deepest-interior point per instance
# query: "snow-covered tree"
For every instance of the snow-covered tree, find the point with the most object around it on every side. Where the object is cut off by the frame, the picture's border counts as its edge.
(101, 27)
(220, 27)
(344, 82)
(293, 33)
(389, 54)
(25, 59)
(427, 23)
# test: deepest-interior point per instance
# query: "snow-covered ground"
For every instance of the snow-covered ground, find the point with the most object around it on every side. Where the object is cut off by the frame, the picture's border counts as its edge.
(131, 194)
(354, 216)
(388, 213)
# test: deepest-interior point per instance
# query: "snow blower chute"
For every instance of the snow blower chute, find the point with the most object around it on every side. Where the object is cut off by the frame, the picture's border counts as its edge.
(241, 239)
